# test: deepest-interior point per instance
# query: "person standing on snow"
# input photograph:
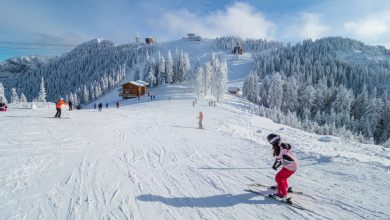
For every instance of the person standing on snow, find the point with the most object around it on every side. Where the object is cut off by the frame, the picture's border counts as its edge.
(100, 106)
(117, 103)
(200, 117)
(59, 105)
(70, 104)
(285, 158)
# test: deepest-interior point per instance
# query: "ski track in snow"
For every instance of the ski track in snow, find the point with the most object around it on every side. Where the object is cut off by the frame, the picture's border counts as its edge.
(149, 161)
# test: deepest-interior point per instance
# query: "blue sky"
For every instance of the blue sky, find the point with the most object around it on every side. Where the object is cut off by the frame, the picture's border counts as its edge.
(54, 26)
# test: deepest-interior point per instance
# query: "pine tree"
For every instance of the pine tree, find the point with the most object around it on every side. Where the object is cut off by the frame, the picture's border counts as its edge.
(137, 73)
(14, 96)
(264, 91)
(276, 92)
(221, 80)
(42, 92)
(250, 88)
(186, 67)
(169, 68)
(23, 99)
(198, 82)
(207, 71)
(161, 71)
(85, 94)
(150, 78)
(2, 94)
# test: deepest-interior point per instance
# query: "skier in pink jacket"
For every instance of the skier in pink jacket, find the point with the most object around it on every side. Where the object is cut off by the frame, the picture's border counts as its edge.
(285, 158)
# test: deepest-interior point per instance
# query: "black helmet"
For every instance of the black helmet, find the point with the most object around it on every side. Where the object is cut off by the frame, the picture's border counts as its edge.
(273, 138)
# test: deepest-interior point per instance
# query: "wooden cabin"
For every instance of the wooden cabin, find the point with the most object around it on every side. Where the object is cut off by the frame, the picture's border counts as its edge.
(238, 50)
(234, 90)
(193, 37)
(150, 41)
(133, 89)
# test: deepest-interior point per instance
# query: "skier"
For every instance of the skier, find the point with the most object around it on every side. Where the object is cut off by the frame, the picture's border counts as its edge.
(117, 103)
(200, 117)
(285, 158)
(100, 106)
(106, 105)
(60, 103)
(70, 104)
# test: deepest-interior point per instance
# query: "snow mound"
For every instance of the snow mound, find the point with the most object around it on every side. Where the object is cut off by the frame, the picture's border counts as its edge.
(325, 139)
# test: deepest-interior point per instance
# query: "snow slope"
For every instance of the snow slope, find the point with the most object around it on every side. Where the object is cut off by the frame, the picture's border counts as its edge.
(147, 160)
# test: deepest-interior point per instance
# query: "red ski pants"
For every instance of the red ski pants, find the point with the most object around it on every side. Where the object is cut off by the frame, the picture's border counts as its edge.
(281, 180)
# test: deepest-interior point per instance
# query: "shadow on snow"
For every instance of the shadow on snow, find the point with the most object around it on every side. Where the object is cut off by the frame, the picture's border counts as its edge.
(223, 200)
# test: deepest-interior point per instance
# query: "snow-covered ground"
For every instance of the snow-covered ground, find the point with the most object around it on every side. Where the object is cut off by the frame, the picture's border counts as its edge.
(147, 160)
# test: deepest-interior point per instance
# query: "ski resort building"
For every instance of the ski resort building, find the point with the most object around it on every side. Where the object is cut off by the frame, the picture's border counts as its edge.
(193, 37)
(150, 41)
(238, 50)
(133, 89)
(234, 90)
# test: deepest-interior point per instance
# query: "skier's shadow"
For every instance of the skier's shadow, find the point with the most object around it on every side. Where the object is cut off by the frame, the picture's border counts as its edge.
(233, 168)
(223, 200)
(25, 116)
(178, 126)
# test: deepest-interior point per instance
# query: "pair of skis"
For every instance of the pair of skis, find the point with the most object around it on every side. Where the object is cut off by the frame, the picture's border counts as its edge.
(286, 201)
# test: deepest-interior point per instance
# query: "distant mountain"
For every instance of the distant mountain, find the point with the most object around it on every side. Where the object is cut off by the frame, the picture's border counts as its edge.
(19, 65)
(97, 63)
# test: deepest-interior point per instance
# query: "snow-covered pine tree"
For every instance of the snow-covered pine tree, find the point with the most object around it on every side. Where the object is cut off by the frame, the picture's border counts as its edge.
(221, 78)
(207, 72)
(250, 89)
(150, 78)
(161, 70)
(215, 65)
(23, 99)
(290, 96)
(198, 81)
(42, 92)
(85, 94)
(14, 96)
(264, 90)
(2, 94)
(137, 73)
(186, 67)
(169, 68)
(276, 92)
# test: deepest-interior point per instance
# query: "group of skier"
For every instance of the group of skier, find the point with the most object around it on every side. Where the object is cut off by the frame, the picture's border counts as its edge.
(281, 151)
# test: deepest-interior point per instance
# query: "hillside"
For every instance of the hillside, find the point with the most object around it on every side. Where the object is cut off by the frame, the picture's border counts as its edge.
(147, 160)
(333, 85)
(93, 63)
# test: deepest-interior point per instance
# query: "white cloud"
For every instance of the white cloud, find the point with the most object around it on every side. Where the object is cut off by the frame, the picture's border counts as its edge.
(371, 26)
(239, 19)
(312, 26)
(307, 25)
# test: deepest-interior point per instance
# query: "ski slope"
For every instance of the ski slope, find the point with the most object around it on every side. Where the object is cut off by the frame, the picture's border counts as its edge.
(147, 160)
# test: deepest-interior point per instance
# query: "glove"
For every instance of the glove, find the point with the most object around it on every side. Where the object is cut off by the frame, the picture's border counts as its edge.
(276, 164)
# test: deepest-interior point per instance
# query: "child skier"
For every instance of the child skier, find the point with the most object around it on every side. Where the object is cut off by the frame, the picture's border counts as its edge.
(285, 158)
